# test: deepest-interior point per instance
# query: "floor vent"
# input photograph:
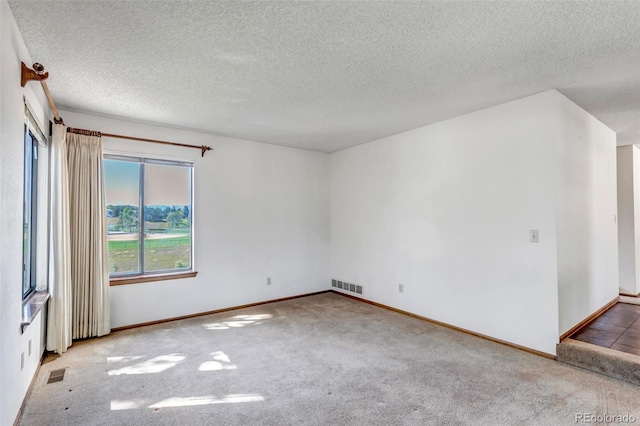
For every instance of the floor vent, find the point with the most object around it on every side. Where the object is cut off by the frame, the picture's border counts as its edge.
(353, 288)
(56, 376)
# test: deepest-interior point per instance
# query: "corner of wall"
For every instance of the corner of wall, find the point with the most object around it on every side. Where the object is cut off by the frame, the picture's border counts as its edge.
(446, 211)
(628, 215)
(588, 273)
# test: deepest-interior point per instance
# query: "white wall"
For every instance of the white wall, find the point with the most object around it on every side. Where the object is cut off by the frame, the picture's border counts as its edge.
(446, 210)
(259, 211)
(629, 218)
(586, 215)
(14, 382)
(629, 288)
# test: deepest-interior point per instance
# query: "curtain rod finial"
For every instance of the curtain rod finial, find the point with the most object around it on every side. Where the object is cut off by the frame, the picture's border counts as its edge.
(204, 149)
(28, 74)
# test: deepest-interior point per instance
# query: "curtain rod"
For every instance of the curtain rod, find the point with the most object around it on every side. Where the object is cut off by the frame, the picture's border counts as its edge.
(38, 73)
(202, 148)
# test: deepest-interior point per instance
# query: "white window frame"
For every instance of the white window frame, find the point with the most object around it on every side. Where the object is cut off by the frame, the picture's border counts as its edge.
(38, 206)
(142, 159)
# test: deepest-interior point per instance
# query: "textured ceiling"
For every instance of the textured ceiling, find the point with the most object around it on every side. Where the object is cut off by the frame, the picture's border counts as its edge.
(329, 75)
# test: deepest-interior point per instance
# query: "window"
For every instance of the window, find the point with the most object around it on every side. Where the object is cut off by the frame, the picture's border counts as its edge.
(157, 238)
(30, 208)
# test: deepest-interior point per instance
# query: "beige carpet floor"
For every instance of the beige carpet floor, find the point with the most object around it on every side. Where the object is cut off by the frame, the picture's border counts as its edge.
(317, 360)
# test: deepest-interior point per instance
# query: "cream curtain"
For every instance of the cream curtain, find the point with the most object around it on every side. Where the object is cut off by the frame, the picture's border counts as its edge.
(59, 311)
(88, 237)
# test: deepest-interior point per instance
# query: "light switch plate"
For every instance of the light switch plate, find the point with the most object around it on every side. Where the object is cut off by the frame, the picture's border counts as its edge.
(533, 236)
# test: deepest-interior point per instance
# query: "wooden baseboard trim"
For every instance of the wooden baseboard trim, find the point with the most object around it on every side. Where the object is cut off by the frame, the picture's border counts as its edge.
(630, 294)
(217, 311)
(587, 320)
(31, 385)
(452, 327)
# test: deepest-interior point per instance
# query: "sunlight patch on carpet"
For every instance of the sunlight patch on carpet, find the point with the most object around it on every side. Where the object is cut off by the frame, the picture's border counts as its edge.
(155, 365)
(114, 359)
(191, 401)
(206, 400)
(220, 362)
(127, 405)
(238, 321)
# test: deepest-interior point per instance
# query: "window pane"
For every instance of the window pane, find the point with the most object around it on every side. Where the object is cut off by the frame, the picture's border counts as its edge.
(122, 187)
(34, 212)
(29, 203)
(167, 239)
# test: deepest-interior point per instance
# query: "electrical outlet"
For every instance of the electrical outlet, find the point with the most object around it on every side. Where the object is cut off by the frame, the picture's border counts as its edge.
(401, 288)
(533, 236)
(268, 280)
(22, 361)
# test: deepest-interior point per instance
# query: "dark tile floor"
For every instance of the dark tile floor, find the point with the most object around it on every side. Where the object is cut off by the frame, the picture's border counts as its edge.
(618, 328)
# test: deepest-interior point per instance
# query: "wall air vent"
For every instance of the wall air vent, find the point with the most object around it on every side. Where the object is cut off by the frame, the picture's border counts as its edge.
(352, 288)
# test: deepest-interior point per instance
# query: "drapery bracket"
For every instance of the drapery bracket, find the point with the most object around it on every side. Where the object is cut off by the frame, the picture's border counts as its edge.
(28, 74)
(38, 73)
(204, 149)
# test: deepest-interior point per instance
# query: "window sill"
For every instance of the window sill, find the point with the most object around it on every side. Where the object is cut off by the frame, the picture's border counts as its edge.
(149, 278)
(31, 306)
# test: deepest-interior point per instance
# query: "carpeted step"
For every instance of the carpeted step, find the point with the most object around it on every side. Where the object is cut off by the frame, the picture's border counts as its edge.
(609, 362)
